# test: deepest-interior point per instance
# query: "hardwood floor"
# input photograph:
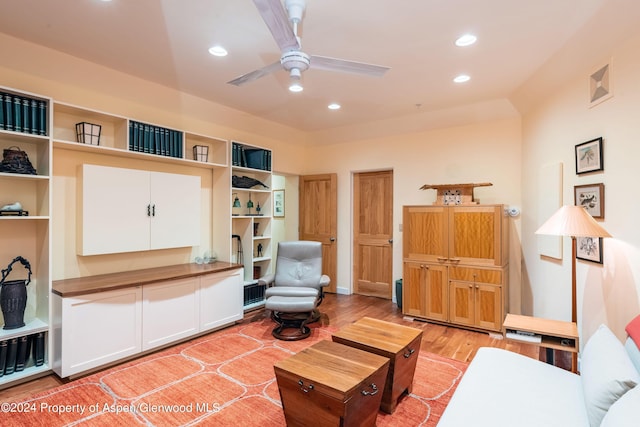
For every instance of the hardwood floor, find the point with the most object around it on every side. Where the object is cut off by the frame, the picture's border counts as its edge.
(338, 311)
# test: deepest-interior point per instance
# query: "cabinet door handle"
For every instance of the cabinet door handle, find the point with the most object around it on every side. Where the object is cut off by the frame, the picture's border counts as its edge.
(148, 210)
(153, 210)
(454, 259)
(441, 258)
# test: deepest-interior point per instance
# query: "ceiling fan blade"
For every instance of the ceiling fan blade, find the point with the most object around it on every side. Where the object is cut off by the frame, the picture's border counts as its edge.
(276, 18)
(333, 64)
(256, 74)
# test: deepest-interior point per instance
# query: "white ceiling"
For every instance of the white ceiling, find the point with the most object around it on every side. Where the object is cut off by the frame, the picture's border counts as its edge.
(166, 41)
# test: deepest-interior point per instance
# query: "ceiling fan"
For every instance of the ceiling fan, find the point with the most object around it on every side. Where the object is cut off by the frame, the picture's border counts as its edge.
(284, 28)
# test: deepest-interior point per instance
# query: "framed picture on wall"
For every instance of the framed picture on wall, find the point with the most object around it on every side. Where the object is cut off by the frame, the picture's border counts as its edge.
(589, 249)
(278, 203)
(591, 196)
(589, 156)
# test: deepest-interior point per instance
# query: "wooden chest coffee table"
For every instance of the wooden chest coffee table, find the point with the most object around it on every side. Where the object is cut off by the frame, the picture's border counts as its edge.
(330, 384)
(401, 344)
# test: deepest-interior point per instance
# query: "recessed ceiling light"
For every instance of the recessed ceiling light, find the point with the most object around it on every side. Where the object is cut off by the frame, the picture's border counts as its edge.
(333, 106)
(218, 51)
(462, 78)
(466, 40)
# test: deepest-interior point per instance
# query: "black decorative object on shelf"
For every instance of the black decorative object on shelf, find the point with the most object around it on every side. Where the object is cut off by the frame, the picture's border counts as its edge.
(88, 133)
(245, 182)
(13, 296)
(14, 160)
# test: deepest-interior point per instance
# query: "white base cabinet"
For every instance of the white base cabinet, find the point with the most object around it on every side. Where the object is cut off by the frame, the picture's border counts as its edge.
(221, 299)
(170, 311)
(98, 328)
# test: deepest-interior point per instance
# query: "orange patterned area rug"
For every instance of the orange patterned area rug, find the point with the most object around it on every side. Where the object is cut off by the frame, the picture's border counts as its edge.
(222, 379)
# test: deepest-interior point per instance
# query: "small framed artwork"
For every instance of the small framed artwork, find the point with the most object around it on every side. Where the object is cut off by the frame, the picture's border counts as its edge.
(278, 203)
(589, 156)
(591, 196)
(589, 249)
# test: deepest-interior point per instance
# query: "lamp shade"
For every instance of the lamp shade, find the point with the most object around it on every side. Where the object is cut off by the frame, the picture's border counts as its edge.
(572, 221)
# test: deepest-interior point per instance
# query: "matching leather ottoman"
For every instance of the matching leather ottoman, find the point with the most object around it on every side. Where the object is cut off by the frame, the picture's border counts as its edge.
(331, 384)
(401, 344)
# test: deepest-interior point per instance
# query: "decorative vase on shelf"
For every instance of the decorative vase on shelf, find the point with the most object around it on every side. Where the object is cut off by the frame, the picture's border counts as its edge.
(13, 296)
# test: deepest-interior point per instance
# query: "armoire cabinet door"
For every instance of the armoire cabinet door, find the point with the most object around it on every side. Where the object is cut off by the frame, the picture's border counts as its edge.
(427, 239)
(475, 235)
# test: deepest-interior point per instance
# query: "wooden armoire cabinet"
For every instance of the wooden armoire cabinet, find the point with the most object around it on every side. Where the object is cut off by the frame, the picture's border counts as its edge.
(455, 264)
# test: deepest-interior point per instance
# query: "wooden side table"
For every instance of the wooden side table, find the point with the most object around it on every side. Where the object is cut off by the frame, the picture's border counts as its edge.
(400, 344)
(331, 384)
(546, 333)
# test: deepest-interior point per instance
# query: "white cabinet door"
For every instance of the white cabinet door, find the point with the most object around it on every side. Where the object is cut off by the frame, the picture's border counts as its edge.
(170, 311)
(127, 210)
(175, 201)
(221, 299)
(97, 329)
(113, 216)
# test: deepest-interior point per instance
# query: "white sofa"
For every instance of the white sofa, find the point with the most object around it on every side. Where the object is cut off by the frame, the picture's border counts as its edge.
(502, 388)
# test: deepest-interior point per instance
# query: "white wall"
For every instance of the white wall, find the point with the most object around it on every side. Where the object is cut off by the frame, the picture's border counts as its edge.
(481, 152)
(607, 293)
(284, 229)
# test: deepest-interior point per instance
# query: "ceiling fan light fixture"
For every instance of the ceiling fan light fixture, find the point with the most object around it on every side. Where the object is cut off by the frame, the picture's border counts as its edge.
(334, 106)
(295, 80)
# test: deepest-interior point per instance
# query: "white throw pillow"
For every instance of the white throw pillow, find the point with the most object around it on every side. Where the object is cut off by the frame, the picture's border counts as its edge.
(633, 351)
(607, 373)
(625, 412)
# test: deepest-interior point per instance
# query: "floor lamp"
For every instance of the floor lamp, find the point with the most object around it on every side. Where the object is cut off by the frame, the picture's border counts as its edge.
(572, 221)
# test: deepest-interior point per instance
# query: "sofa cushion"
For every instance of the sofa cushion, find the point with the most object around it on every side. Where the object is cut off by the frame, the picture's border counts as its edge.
(625, 412)
(607, 373)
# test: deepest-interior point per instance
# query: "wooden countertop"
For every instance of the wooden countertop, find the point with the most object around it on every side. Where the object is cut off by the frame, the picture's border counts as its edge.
(124, 279)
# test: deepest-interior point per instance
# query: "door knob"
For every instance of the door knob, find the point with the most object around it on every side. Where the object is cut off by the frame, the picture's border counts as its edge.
(391, 241)
(332, 239)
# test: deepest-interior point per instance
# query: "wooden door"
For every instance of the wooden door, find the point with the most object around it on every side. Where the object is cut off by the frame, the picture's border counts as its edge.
(373, 233)
(318, 219)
